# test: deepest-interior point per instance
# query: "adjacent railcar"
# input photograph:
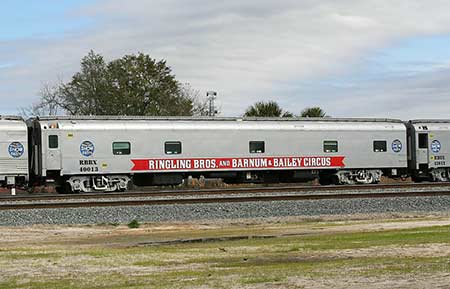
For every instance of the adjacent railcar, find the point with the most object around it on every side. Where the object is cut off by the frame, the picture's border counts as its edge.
(429, 153)
(13, 151)
(106, 153)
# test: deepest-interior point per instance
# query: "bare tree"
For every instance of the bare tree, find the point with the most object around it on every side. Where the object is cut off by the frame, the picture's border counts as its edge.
(49, 103)
(199, 104)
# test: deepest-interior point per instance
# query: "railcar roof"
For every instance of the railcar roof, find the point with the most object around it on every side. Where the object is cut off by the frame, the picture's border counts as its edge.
(430, 121)
(219, 119)
(12, 123)
(11, 117)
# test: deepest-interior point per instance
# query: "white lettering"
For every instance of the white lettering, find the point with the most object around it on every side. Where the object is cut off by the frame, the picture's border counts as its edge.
(199, 164)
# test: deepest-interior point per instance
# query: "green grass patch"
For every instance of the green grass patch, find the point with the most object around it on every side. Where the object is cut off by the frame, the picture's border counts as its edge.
(30, 255)
(437, 234)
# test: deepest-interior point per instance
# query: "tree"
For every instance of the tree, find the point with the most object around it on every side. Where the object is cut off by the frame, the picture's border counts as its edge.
(313, 112)
(143, 86)
(90, 90)
(48, 104)
(200, 105)
(131, 85)
(266, 109)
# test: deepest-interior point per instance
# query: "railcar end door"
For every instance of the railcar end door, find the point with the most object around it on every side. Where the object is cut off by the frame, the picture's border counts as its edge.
(422, 148)
(53, 153)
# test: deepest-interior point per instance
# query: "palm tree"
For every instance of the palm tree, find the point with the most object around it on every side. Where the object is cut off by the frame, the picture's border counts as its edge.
(266, 109)
(313, 112)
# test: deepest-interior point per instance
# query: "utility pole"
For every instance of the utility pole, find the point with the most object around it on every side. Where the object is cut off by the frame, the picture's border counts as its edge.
(211, 95)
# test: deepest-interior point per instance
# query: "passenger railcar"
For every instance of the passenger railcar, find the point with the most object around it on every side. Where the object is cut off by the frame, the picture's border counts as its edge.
(429, 153)
(13, 150)
(105, 153)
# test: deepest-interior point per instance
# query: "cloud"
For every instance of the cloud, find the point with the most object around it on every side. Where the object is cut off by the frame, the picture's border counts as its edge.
(422, 95)
(245, 50)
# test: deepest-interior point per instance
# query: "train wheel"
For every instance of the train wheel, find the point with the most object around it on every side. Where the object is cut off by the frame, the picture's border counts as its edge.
(325, 179)
(416, 179)
(67, 188)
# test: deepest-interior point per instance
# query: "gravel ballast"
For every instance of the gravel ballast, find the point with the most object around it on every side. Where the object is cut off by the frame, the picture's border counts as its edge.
(162, 213)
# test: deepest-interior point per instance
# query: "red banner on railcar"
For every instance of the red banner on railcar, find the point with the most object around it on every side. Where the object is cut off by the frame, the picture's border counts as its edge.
(169, 164)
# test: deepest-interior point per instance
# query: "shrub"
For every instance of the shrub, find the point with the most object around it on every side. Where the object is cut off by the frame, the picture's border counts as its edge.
(134, 224)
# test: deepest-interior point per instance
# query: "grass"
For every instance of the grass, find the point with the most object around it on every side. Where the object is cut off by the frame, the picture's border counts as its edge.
(259, 274)
(249, 262)
(260, 279)
(437, 234)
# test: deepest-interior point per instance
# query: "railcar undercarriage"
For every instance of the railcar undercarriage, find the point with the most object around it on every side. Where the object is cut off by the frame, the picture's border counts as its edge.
(110, 183)
(98, 183)
(440, 174)
(351, 177)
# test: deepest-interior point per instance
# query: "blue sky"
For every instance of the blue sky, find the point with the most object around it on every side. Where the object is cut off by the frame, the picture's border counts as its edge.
(410, 55)
(20, 19)
(347, 57)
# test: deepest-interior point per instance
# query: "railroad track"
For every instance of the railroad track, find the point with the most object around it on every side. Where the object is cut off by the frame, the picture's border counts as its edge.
(220, 191)
(228, 198)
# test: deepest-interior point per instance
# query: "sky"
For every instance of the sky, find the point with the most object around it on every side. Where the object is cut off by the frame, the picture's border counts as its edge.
(353, 58)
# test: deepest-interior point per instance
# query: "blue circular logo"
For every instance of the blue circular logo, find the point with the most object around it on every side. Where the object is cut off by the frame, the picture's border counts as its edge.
(87, 148)
(16, 149)
(435, 146)
(396, 146)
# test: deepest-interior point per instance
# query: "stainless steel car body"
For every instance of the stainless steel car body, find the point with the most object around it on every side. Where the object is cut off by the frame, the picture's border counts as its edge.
(429, 148)
(85, 144)
(13, 150)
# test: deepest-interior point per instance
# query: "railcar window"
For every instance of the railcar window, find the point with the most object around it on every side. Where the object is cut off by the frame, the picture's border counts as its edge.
(172, 147)
(423, 140)
(330, 146)
(53, 141)
(256, 147)
(121, 148)
(379, 145)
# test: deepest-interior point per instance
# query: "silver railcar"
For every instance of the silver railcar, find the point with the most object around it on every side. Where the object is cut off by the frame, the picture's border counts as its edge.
(13, 151)
(106, 153)
(429, 153)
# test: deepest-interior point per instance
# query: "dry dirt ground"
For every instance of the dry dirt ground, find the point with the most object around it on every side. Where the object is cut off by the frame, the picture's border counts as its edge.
(365, 251)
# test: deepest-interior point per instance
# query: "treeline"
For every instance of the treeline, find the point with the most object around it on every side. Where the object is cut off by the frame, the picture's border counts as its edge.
(134, 85)
(273, 109)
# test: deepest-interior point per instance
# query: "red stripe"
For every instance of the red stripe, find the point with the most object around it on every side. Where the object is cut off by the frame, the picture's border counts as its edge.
(166, 164)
